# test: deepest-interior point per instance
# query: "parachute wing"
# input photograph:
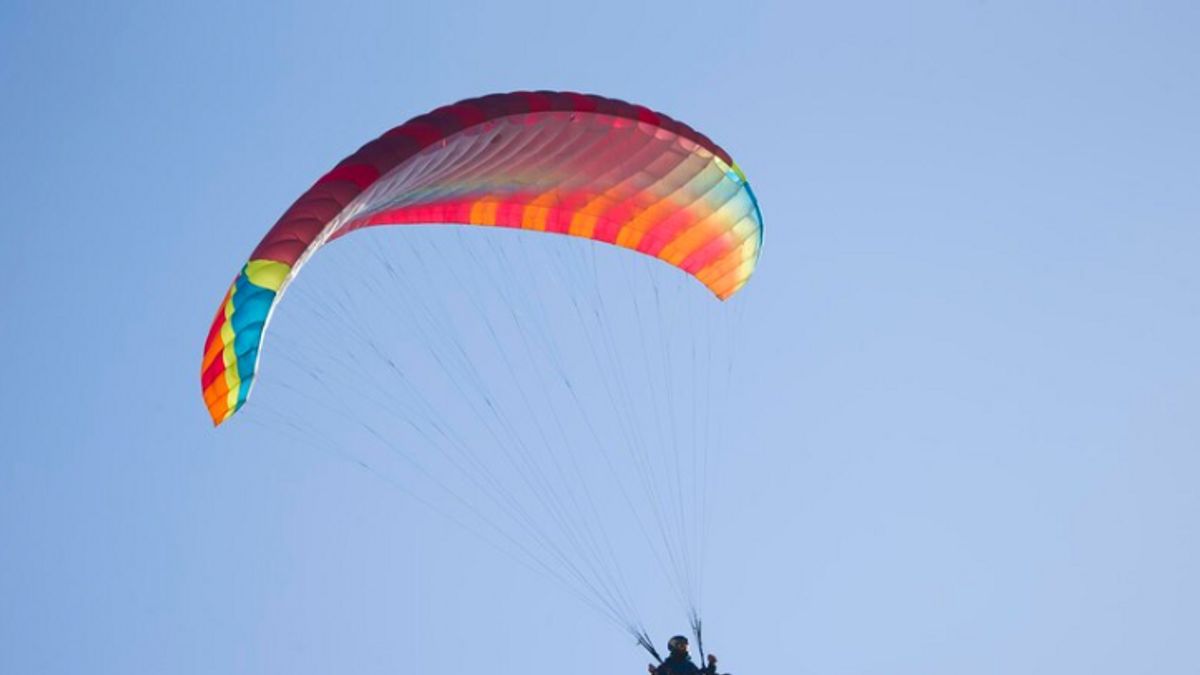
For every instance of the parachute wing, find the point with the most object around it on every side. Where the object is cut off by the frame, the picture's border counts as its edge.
(564, 163)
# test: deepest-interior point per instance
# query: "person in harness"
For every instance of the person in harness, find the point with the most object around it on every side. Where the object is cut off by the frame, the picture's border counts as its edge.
(679, 661)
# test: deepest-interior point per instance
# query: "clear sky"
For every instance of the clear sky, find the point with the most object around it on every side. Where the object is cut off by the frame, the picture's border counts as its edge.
(972, 445)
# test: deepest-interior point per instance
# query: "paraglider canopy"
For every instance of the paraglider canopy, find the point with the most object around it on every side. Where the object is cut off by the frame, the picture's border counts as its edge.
(556, 162)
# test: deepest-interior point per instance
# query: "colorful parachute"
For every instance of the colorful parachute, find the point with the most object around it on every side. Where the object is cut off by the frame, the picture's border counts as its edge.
(565, 163)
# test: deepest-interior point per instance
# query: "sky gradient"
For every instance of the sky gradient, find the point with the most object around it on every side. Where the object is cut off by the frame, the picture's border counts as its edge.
(972, 442)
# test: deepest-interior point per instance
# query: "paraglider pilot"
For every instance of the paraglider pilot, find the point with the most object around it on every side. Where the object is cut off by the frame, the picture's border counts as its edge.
(679, 662)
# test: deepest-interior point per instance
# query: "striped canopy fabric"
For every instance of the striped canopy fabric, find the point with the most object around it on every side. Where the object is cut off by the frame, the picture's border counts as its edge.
(564, 163)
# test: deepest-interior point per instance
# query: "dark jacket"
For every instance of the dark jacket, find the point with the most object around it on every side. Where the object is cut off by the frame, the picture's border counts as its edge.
(681, 665)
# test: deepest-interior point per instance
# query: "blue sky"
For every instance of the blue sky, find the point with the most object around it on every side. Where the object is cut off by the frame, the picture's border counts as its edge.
(971, 446)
